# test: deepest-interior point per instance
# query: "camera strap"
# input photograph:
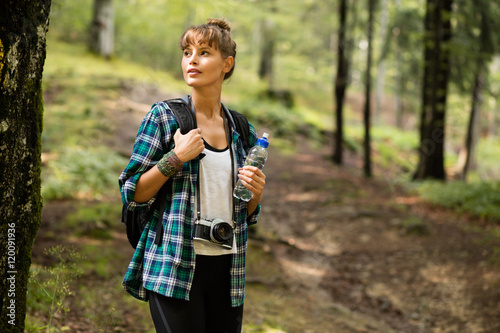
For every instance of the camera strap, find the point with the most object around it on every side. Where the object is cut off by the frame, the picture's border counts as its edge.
(231, 153)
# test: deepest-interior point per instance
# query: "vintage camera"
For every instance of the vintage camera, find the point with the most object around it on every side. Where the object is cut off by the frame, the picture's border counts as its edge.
(216, 231)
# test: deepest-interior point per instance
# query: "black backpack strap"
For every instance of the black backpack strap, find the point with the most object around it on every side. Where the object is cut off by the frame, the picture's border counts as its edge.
(242, 127)
(182, 113)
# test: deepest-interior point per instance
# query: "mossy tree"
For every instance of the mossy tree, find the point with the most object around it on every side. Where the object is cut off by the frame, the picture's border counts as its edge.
(23, 26)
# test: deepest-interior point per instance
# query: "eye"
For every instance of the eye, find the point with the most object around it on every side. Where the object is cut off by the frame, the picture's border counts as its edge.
(187, 53)
(205, 53)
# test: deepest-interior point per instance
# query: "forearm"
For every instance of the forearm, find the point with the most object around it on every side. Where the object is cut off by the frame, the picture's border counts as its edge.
(253, 203)
(152, 180)
(149, 184)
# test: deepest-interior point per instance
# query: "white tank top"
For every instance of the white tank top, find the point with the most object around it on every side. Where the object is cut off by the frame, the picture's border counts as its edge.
(215, 195)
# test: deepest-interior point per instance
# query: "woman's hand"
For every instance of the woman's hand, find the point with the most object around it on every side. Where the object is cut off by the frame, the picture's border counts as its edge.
(188, 146)
(255, 180)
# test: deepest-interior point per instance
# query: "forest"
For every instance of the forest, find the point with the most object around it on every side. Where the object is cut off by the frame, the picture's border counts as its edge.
(382, 208)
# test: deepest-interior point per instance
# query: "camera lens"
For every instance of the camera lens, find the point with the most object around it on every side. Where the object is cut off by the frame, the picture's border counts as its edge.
(222, 232)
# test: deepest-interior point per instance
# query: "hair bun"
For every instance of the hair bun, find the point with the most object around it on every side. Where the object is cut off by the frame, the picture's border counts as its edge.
(224, 25)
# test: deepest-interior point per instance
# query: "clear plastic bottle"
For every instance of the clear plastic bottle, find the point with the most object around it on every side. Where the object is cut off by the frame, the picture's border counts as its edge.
(257, 156)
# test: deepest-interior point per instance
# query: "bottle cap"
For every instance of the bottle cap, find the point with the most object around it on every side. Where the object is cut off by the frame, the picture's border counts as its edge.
(263, 141)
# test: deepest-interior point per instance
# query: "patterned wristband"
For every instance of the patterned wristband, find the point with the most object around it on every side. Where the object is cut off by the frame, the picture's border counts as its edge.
(169, 164)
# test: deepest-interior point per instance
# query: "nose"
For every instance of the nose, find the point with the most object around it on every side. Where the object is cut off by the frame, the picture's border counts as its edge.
(193, 60)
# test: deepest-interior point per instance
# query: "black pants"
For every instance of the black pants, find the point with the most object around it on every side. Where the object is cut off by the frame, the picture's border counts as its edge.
(209, 307)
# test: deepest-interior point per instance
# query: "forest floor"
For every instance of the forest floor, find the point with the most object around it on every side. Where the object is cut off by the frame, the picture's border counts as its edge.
(332, 252)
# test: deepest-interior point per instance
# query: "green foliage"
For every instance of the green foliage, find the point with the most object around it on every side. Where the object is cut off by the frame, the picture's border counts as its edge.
(414, 226)
(478, 199)
(488, 151)
(82, 173)
(281, 120)
(393, 148)
(95, 221)
(49, 286)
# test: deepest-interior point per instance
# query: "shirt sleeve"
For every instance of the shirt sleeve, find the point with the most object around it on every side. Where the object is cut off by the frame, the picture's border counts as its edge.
(154, 139)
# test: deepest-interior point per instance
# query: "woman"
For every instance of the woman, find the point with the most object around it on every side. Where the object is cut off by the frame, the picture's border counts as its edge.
(193, 284)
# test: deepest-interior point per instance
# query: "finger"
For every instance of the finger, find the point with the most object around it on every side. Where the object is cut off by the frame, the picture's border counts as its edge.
(254, 173)
(255, 188)
(253, 180)
(196, 131)
(253, 169)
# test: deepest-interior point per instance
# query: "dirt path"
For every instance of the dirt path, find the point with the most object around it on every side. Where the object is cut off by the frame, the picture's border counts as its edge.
(374, 257)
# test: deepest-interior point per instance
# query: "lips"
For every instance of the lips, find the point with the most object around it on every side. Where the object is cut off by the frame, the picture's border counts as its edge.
(193, 71)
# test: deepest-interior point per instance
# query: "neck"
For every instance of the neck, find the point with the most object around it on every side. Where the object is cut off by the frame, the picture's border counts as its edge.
(207, 103)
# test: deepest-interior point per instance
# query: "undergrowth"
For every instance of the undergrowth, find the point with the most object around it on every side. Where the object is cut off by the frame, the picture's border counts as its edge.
(478, 199)
(49, 286)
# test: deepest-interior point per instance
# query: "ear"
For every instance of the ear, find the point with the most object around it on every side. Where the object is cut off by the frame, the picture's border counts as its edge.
(228, 64)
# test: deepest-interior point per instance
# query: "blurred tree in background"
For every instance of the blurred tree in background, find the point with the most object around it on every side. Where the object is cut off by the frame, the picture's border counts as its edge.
(367, 165)
(341, 82)
(435, 90)
(101, 39)
(477, 25)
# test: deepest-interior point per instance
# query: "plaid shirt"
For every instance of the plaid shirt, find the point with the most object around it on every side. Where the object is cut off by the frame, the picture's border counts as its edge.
(169, 269)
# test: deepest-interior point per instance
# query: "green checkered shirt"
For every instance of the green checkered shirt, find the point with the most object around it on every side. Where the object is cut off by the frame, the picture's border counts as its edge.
(169, 269)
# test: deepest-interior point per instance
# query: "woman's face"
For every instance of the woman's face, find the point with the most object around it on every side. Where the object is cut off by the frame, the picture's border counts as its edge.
(203, 65)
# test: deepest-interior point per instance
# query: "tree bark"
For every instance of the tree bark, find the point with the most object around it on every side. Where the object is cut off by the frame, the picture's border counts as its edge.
(267, 53)
(368, 81)
(400, 86)
(23, 26)
(466, 159)
(340, 83)
(486, 51)
(435, 89)
(380, 79)
(102, 29)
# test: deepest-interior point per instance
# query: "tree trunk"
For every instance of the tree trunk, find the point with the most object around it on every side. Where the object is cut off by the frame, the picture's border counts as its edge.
(400, 85)
(466, 159)
(486, 50)
(102, 28)
(340, 83)
(400, 90)
(23, 26)
(367, 109)
(384, 14)
(494, 118)
(267, 53)
(435, 89)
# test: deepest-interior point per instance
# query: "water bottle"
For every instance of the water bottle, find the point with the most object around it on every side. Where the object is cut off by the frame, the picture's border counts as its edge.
(257, 156)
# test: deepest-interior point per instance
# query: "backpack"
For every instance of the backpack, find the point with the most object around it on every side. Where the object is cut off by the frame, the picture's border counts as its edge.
(136, 220)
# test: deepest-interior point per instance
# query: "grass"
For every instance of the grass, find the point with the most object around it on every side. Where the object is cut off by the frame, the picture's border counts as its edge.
(478, 199)
(73, 61)
(98, 168)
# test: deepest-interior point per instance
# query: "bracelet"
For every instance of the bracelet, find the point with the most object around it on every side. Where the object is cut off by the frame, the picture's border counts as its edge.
(169, 164)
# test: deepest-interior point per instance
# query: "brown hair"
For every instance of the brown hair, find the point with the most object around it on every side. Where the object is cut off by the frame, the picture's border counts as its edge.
(215, 33)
